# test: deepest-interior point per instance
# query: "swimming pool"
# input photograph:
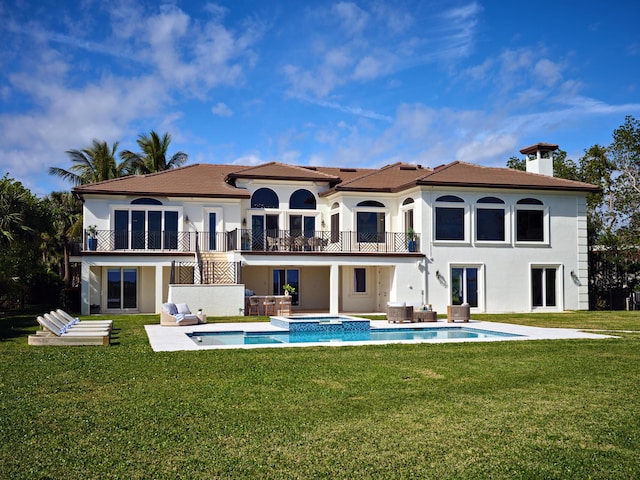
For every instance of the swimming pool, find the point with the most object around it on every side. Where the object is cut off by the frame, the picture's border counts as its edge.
(385, 335)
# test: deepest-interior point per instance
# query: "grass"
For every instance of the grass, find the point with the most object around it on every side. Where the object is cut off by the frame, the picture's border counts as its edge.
(538, 409)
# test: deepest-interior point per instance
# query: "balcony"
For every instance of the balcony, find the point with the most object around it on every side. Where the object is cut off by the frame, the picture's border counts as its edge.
(245, 240)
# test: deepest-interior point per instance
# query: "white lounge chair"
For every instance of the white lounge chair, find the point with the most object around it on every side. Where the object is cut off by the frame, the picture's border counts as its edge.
(59, 321)
(52, 335)
(75, 321)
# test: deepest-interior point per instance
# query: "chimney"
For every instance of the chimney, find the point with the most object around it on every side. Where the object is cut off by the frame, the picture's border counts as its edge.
(540, 158)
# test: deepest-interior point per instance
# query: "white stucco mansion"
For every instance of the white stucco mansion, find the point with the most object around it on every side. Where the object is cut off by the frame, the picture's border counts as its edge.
(348, 239)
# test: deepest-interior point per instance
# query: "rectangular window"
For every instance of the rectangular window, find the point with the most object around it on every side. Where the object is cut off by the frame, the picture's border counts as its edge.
(170, 230)
(370, 227)
(543, 287)
(449, 223)
(360, 280)
(154, 230)
(138, 229)
(121, 227)
(490, 224)
(212, 231)
(335, 228)
(530, 225)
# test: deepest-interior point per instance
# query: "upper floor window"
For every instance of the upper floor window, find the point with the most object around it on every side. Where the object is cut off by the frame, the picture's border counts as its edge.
(370, 224)
(264, 198)
(449, 221)
(530, 220)
(407, 211)
(490, 220)
(302, 199)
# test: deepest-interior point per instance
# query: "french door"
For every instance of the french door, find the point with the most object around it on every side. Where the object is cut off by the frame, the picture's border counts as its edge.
(464, 286)
(122, 288)
(282, 277)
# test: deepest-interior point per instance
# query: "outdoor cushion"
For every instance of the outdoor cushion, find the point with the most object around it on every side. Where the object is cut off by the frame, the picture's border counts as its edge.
(182, 308)
(170, 308)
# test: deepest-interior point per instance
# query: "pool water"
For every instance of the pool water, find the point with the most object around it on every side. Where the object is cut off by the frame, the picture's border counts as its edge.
(322, 337)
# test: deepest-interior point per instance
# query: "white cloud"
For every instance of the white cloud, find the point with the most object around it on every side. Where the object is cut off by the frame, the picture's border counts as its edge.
(222, 110)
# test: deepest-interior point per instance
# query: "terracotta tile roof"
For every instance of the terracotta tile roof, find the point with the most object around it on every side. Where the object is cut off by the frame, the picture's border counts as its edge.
(281, 171)
(216, 181)
(462, 174)
(199, 180)
(391, 178)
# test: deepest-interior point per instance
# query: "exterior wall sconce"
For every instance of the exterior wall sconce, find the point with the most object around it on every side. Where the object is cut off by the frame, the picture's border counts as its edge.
(575, 278)
(244, 222)
(439, 276)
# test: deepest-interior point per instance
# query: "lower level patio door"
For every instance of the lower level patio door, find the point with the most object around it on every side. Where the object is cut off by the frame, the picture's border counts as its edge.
(282, 277)
(122, 289)
(464, 285)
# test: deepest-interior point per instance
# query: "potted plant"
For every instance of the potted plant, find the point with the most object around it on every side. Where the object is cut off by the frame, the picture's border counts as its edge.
(288, 289)
(92, 241)
(411, 240)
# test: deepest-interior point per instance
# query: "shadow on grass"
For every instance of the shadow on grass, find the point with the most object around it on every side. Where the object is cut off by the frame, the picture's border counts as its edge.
(17, 325)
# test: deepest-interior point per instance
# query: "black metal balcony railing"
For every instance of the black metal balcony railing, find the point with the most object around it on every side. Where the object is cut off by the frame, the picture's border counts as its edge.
(253, 241)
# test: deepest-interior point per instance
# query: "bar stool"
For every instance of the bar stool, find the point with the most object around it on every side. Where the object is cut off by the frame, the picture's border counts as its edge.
(270, 305)
(254, 306)
(285, 305)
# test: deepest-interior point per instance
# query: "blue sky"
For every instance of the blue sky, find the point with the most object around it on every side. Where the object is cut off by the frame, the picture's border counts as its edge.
(359, 84)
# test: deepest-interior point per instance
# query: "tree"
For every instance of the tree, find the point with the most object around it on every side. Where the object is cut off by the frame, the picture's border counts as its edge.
(24, 219)
(153, 155)
(93, 164)
(625, 153)
(66, 212)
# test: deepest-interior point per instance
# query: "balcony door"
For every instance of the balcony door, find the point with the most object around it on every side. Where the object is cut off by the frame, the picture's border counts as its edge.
(145, 229)
(263, 226)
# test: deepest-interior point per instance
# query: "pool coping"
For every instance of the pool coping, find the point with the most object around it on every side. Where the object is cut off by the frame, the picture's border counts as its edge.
(168, 339)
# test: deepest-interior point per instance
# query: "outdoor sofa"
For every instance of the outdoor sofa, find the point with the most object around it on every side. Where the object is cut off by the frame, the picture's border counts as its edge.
(179, 315)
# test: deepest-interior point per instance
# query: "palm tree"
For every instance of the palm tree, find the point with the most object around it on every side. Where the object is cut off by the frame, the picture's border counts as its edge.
(153, 155)
(66, 212)
(93, 164)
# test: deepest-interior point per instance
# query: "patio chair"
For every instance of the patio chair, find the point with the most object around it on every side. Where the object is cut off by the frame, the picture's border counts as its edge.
(270, 305)
(399, 312)
(52, 335)
(458, 312)
(177, 315)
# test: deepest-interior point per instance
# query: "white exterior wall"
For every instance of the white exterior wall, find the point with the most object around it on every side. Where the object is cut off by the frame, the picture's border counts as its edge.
(505, 268)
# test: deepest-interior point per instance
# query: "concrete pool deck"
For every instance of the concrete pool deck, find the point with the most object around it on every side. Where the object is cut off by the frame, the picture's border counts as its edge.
(167, 339)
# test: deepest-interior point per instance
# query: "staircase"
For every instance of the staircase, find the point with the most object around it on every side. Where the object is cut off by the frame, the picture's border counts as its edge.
(216, 268)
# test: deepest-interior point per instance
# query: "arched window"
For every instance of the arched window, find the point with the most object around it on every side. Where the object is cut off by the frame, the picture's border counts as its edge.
(146, 201)
(530, 201)
(530, 220)
(450, 199)
(371, 203)
(490, 220)
(450, 219)
(264, 198)
(302, 199)
(408, 201)
(490, 200)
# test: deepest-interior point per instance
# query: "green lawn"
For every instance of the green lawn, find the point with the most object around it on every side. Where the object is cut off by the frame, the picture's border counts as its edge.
(533, 409)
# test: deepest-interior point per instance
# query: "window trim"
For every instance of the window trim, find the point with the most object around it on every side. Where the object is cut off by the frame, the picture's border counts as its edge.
(507, 222)
(545, 225)
(481, 287)
(354, 291)
(465, 221)
(559, 306)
